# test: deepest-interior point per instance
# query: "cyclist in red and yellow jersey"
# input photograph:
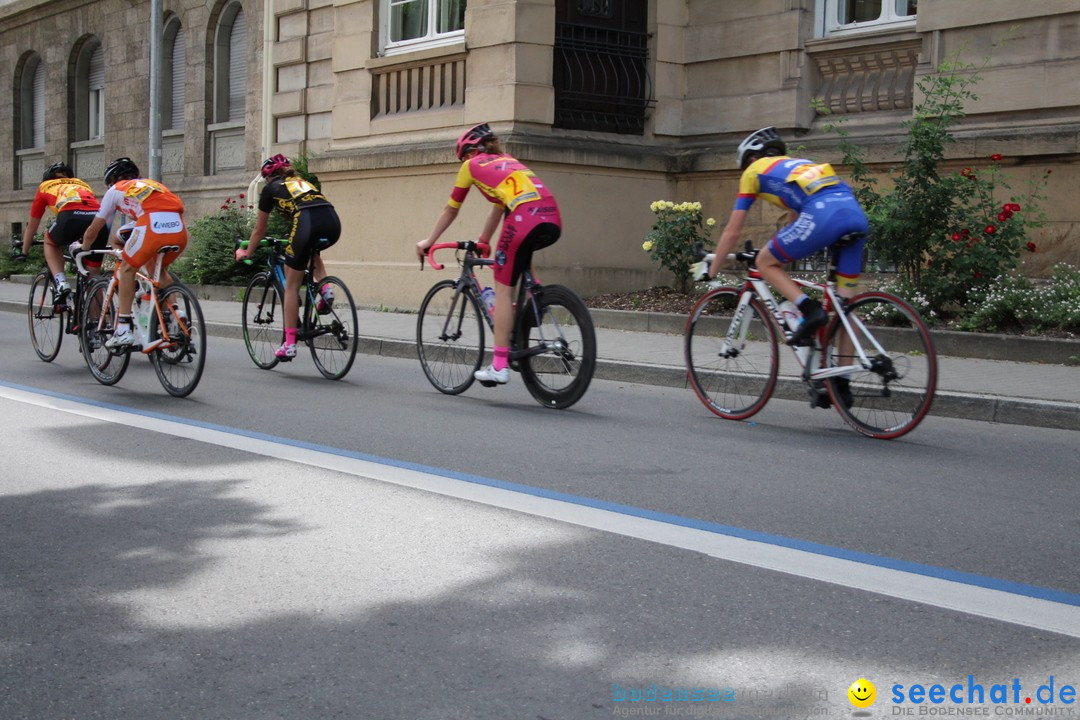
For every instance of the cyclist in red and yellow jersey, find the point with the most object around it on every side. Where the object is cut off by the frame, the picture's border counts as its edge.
(821, 209)
(74, 204)
(159, 221)
(531, 221)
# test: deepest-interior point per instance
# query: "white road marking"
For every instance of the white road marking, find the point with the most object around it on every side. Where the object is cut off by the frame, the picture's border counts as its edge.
(1010, 607)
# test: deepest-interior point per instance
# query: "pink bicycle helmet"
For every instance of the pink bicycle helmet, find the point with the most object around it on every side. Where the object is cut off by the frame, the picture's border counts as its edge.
(472, 139)
(272, 164)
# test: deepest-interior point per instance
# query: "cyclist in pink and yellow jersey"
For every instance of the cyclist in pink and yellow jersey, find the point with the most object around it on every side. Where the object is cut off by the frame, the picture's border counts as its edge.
(74, 204)
(159, 221)
(821, 209)
(530, 218)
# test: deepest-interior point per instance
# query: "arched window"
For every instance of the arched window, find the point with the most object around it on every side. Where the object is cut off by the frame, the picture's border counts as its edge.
(231, 65)
(31, 111)
(174, 59)
(96, 88)
(88, 90)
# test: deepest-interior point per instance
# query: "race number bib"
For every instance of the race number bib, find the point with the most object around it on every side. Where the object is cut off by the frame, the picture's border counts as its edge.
(812, 178)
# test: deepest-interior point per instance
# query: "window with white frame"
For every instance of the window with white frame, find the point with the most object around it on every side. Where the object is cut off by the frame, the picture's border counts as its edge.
(416, 24)
(842, 16)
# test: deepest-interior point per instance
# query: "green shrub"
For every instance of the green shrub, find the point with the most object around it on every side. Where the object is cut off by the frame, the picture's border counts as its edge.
(671, 241)
(1013, 303)
(210, 256)
(34, 262)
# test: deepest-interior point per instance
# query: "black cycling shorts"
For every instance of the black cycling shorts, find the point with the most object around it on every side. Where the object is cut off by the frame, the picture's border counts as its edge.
(313, 230)
(70, 225)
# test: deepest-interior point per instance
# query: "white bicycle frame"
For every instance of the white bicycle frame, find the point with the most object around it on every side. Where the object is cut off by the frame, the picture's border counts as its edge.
(141, 278)
(761, 289)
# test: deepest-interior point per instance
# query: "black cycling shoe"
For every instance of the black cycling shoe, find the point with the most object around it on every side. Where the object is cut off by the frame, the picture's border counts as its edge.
(814, 316)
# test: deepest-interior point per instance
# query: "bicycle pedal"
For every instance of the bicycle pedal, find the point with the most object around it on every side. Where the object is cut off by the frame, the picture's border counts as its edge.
(487, 383)
(285, 359)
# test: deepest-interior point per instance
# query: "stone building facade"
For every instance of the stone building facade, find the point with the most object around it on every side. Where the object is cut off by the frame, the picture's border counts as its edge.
(614, 103)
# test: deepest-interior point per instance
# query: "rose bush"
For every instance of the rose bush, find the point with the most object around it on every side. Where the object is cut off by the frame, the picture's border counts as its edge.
(670, 243)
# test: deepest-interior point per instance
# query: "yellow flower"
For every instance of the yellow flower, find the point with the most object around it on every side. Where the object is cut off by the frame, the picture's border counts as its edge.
(655, 206)
(647, 245)
(710, 222)
(696, 206)
(668, 204)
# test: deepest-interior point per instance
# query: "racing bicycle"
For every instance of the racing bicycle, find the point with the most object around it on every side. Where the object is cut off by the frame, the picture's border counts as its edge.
(328, 320)
(874, 360)
(49, 316)
(552, 343)
(167, 322)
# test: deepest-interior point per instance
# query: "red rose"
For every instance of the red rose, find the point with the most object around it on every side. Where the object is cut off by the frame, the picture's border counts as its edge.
(224, 207)
(241, 196)
(1031, 247)
(990, 229)
(1004, 215)
(957, 237)
(1012, 207)
(995, 157)
(966, 172)
(965, 232)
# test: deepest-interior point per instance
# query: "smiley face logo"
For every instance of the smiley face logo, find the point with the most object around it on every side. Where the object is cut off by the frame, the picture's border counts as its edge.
(862, 693)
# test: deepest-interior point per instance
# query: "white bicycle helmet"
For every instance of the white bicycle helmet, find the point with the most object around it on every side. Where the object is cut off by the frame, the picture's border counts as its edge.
(763, 142)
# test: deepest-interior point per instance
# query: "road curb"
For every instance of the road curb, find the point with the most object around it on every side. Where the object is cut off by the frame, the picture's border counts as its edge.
(964, 406)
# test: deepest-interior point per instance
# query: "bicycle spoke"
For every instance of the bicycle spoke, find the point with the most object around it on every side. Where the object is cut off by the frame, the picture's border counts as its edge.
(334, 324)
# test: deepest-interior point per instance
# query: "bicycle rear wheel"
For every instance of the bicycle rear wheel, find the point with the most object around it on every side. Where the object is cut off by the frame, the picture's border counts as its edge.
(450, 337)
(107, 367)
(732, 362)
(557, 320)
(334, 344)
(264, 329)
(893, 395)
(180, 359)
(45, 317)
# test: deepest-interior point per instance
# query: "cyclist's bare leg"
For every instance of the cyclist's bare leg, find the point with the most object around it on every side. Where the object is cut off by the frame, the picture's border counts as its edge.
(293, 280)
(319, 272)
(772, 270)
(54, 256)
(504, 314)
(125, 276)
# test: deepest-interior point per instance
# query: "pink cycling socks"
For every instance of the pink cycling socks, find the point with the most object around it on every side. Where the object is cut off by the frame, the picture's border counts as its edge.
(290, 336)
(502, 358)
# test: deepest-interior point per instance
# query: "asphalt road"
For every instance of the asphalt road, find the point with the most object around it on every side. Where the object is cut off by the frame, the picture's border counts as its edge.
(482, 557)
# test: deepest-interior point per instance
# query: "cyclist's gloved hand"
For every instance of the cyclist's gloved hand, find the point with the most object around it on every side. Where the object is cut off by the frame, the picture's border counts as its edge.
(699, 272)
(242, 256)
(17, 254)
(75, 248)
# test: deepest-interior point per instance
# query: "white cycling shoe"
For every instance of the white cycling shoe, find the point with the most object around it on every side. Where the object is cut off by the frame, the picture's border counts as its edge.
(490, 376)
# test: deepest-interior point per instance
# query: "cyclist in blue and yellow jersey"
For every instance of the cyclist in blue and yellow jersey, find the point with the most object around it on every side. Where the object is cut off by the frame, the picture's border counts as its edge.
(821, 209)
(75, 206)
(314, 226)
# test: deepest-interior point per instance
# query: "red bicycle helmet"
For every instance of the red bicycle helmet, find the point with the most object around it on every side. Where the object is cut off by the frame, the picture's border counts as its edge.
(272, 164)
(472, 139)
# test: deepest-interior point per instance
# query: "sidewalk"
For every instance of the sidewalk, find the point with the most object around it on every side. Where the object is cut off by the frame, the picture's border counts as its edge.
(1041, 394)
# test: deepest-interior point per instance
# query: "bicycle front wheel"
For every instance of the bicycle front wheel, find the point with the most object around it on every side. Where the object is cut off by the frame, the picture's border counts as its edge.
(94, 329)
(264, 329)
(180, 358)
(450, 337)
(890, 394)
(45, 317)
(333, 323)
(557, 322)
(732, 359)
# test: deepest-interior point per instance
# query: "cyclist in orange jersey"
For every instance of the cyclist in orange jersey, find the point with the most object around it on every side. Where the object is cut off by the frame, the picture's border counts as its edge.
(75, 205)
(158, 216)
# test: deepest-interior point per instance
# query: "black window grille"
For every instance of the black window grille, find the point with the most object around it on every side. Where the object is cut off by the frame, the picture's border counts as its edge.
(601, 73)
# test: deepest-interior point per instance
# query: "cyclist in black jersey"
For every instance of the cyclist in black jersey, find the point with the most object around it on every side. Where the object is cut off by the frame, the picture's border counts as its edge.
(314, 227)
